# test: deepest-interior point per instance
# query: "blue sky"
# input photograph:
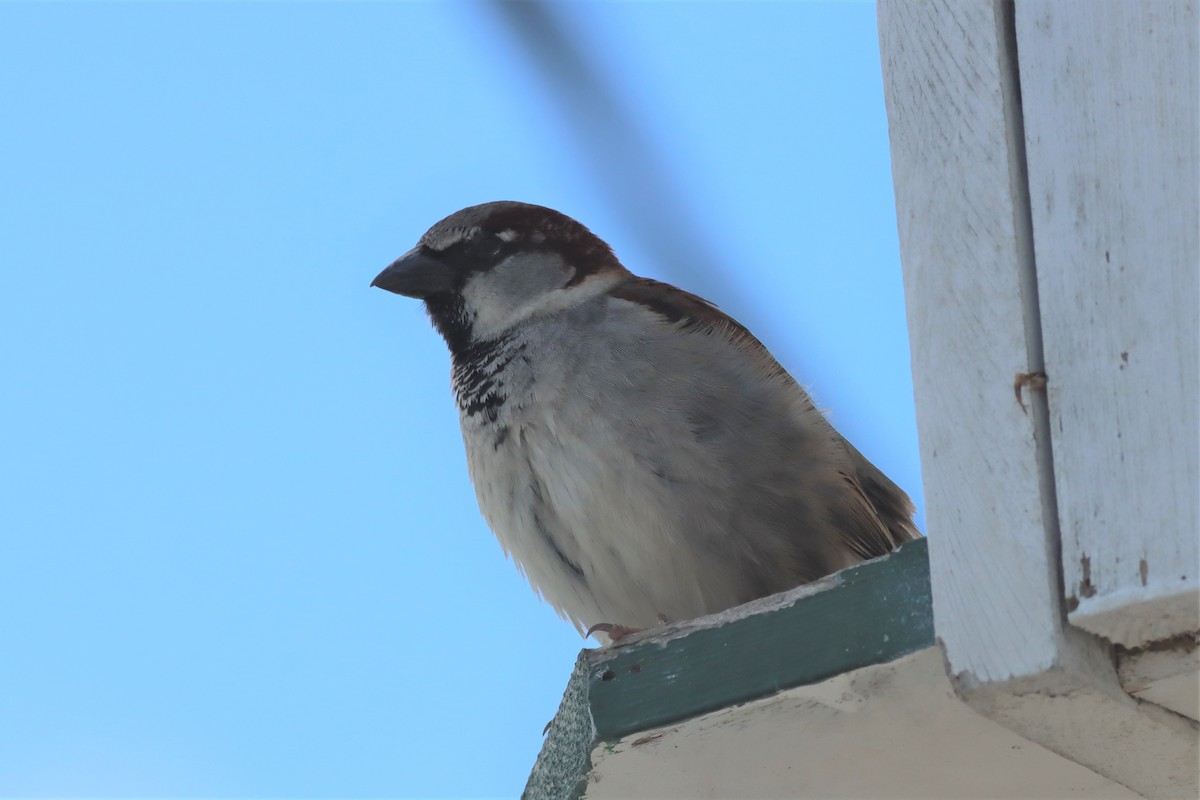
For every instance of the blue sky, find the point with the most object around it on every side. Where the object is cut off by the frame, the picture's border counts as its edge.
(241, 554)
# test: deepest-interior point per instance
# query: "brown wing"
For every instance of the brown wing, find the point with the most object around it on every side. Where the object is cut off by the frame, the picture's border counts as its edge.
(879, 514)
(693, 311)
(889, 501)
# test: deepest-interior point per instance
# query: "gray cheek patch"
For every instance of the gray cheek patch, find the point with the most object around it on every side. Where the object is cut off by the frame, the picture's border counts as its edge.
(513, 289)
(526, 275)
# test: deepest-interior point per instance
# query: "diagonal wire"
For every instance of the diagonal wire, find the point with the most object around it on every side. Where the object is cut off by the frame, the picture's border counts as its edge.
(624, 162)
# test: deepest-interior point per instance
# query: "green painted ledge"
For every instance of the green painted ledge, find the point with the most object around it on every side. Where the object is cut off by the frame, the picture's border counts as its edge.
(868, 614)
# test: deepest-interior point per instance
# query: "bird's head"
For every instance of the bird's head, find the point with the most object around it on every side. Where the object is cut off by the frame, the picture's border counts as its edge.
(487, 269)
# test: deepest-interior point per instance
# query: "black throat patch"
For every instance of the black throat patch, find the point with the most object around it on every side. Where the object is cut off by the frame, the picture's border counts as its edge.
(478, 375)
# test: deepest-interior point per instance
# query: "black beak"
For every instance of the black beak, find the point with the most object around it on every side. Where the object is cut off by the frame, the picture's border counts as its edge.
(416, 274)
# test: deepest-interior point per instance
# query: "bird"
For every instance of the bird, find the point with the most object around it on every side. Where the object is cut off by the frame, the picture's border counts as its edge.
(638, 453)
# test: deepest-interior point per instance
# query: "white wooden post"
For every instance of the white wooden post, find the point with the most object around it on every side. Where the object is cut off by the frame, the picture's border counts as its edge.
(979, 304)
(1109, 94)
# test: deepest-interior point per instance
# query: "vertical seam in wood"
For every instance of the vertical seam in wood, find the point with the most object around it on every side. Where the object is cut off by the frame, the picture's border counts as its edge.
(1018, 170)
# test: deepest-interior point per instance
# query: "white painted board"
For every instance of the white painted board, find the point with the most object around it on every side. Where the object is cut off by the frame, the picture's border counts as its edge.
(993, 566)
(953, 92)
(1110, 101)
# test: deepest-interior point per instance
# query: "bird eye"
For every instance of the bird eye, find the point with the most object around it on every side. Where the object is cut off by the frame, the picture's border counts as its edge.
(485, 246)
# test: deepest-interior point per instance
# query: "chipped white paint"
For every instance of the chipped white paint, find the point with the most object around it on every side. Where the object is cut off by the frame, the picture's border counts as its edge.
(1165, 676)
(888, 730)
(984, 276)
(1110, 97)
(958, 199)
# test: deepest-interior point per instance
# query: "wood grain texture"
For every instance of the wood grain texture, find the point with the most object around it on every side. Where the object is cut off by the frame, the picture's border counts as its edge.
(956, 173)
(975, 321)
(1113, 147)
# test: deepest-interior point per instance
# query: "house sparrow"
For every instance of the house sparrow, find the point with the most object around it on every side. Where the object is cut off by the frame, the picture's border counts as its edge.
(638, 453)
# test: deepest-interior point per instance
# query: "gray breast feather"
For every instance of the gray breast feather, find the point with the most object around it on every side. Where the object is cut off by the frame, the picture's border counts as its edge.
(633, 469)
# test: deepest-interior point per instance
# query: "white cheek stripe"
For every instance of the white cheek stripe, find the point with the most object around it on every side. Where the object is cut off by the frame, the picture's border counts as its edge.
(486, 325)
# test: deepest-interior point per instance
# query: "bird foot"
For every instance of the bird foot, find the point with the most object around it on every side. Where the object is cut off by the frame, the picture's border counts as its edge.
(614, 632)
